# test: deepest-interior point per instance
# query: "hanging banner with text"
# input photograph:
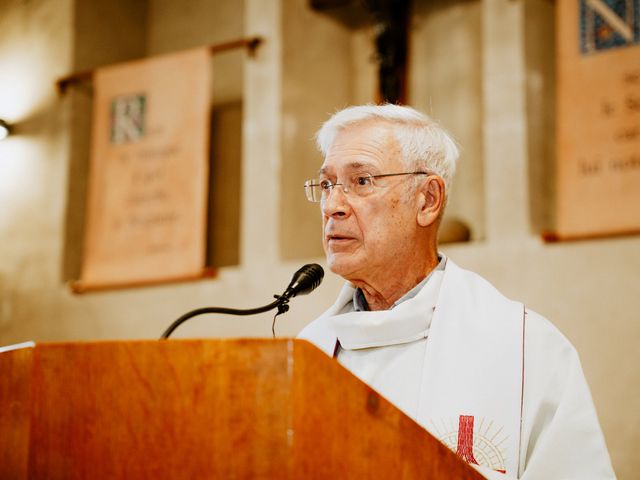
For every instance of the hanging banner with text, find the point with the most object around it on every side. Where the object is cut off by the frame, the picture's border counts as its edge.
(146, 215)
(598, 118)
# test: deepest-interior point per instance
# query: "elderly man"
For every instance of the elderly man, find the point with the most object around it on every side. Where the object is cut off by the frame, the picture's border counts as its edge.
(493, 380)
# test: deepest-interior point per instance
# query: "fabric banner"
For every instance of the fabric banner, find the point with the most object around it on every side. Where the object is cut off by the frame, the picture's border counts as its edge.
(146, 215)
(598, 118)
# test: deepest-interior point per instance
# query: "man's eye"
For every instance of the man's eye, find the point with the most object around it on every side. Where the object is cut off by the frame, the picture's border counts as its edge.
(363, 180)
(325, 184)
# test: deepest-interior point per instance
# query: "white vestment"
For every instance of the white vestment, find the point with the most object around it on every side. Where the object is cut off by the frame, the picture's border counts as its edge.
(496, 382)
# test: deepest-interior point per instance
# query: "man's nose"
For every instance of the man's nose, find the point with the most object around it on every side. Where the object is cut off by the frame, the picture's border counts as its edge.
(335, 204)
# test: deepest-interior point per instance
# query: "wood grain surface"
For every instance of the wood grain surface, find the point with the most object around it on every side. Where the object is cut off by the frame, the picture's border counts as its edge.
(15, 374)
(225, 409)
(159, 410)
(344, 429)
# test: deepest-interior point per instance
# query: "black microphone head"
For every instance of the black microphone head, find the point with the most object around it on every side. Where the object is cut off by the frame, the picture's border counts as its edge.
(305, 280)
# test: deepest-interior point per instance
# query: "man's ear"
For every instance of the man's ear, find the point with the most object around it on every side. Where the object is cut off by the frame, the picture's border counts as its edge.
(431, 200)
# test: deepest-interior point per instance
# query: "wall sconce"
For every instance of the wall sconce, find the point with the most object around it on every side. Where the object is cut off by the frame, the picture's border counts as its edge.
(4, 129)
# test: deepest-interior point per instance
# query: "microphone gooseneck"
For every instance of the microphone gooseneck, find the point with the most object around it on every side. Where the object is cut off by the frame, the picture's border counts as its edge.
(304, 281)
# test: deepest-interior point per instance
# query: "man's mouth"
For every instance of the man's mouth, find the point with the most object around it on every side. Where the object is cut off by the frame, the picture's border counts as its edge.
(338, 238)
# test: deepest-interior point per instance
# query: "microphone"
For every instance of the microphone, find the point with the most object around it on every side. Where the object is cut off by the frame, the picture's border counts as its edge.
(304, 281)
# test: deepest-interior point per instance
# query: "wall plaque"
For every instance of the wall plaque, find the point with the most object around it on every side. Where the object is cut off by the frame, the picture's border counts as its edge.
(598, 118)
(146, 216)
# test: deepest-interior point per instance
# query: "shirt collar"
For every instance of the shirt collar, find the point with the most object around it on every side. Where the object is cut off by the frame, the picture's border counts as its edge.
(409, 320)
(360, 302)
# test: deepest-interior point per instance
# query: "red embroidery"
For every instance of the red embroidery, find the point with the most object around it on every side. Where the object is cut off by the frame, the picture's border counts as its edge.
(465, 439)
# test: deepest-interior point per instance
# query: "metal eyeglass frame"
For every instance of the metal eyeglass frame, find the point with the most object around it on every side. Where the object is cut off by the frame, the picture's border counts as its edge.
(329, 185)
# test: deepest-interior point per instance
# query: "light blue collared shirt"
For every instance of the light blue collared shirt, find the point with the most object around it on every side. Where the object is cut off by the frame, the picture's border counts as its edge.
(360, 303)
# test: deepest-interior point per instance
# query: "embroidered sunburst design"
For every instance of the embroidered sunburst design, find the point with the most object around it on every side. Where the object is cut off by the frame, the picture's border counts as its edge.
(476, 442)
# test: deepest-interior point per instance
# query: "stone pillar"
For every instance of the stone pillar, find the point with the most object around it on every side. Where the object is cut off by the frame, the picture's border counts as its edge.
(262, 136)
(505, 120)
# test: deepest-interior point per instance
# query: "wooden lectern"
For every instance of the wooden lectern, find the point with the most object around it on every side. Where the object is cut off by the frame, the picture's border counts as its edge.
(203, 409)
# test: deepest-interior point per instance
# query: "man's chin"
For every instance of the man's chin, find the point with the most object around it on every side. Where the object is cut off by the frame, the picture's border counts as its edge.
(342, 264)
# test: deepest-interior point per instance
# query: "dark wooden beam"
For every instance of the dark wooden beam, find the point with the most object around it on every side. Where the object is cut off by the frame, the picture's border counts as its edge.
(251, 44)
(392, 41)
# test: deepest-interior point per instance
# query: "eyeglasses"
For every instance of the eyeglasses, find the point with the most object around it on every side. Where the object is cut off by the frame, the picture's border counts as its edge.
(361, 184)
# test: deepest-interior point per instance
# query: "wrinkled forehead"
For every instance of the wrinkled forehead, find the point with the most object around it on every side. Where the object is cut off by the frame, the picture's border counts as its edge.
(370, 146)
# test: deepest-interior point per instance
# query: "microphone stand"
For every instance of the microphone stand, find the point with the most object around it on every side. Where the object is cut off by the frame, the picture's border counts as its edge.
(281, 303)
(305, 280)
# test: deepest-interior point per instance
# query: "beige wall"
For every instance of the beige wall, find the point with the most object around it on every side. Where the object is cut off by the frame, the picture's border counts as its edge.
(590, 289)
(539, 45)
(35, 48)
(316, 61)
(446, 82)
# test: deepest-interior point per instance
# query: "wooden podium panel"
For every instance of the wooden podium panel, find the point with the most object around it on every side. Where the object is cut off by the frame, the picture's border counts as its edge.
(155, 410)
(360, 434)
(205, 409)
(15, 379)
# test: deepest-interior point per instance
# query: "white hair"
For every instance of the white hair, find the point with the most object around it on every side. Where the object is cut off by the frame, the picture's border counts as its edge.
(423, 142)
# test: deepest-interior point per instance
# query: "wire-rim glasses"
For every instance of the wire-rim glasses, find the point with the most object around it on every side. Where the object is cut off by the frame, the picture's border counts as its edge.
(360, 184)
